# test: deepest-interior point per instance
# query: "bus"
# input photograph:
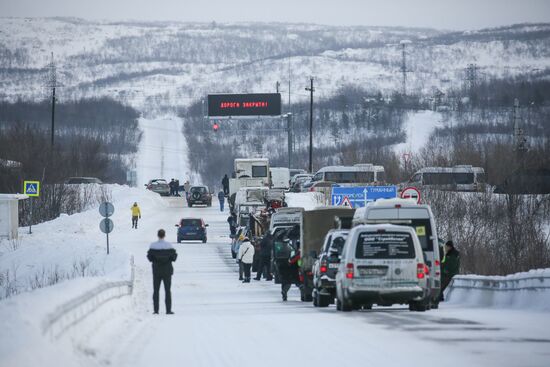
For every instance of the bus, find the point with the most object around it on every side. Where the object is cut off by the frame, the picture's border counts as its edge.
(357, 175)
(457, 178)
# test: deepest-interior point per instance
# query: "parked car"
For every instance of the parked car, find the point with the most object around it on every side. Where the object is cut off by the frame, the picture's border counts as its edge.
(83, 180)
(382, 264)
(298, 180)
(190, 229)
(199, 195)
(326, 267)
(159, 185)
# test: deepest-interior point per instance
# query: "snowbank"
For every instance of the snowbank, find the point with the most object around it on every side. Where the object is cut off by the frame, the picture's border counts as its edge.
(306, 200)
(529, 290)
(72, 246)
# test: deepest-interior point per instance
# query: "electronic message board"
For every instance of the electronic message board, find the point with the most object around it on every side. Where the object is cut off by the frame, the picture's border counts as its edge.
(254, 104)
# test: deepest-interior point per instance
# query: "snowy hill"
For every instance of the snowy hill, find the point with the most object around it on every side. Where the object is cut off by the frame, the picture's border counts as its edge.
(160, 65)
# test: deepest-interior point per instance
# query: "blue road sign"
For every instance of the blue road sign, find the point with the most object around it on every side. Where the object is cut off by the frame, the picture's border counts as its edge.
(31, 188)
(360, 196)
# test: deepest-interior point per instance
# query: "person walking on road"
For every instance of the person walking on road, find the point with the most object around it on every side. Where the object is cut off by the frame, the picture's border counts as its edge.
(177, 187)
(232, 220)
(161, 254)
(246, 256)
(186, 188)
(288, 273)
(450, 266)
(266, 246)
(225, 184)
(136, 214)
(221, 198)
(172, 185)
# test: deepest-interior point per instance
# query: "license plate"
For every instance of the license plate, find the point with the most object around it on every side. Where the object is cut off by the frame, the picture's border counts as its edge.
(372, 271)
(190, 233)
(333, 266)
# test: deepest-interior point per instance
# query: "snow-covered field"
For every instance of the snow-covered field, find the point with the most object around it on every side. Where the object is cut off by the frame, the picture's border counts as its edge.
(219, 321)
(418, 126)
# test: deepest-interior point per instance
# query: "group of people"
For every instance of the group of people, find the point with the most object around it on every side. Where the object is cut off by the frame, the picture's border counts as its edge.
(269, 250)
(174, 185)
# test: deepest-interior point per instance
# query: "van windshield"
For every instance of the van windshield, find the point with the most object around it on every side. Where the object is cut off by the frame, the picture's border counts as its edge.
(259, 171)
(386, 245)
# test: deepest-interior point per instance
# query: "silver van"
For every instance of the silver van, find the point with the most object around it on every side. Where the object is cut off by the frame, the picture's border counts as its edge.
(418, 216)
(382, 264)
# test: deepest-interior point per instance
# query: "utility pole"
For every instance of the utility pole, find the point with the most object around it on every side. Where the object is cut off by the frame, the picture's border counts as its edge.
(520, 143)
(311, 90)
(289, 129)
(52, 83)
(404, 70)
(277, 85)
(471, 77)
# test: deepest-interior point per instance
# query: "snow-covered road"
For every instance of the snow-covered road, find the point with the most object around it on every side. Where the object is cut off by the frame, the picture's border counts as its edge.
(219, 321)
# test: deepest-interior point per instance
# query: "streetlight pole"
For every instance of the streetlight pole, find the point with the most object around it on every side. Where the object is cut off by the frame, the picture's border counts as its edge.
(311, 90)
(289, 130)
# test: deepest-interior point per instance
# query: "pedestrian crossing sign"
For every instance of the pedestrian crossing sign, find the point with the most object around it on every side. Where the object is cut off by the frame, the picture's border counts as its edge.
(31, 188)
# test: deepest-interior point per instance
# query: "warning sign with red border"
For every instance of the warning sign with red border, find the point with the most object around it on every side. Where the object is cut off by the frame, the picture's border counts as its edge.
(411, 193)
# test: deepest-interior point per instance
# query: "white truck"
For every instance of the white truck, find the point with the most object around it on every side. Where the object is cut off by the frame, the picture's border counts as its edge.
(279, 177)
(248, 172)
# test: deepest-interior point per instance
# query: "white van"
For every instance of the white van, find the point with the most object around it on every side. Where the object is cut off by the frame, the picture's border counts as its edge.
(249, 172)
(357, 175)
(382, 264)
(418, 216)
(457, 178)
(279, 177)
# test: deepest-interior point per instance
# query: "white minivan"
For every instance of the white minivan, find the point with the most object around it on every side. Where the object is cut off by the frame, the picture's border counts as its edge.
(382, 264)
(407, 212)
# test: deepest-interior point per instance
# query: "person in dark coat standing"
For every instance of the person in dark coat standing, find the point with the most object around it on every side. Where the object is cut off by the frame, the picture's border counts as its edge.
(232, 220)
(288, 273)
(177, 187)
(225, 184)
(450, 266)
(161, 254)
(266, 246)
(172, 184)
(221, 198)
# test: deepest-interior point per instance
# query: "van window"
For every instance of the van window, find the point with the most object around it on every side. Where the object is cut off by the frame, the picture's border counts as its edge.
(387, 245)
(463, 178)
(380, 176)
(259, 171)
(318, 177)
(440, 178)
(416, 178)
(338, 243)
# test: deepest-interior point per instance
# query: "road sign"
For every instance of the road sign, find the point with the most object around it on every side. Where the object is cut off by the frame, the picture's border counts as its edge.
(31, 188)
(357, 197)
(253, 104)
(411, 193)
(106, 209)
(106, 225)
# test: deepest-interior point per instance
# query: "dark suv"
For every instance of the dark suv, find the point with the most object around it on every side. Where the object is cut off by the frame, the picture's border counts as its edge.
(326, 267)
(199, 195)
(190, 229)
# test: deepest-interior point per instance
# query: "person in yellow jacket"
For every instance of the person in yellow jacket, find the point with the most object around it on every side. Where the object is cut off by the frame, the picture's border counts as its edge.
(136, 214)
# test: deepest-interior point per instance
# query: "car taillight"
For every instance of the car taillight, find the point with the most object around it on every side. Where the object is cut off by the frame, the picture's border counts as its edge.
(422, 270)
(323, 268)
(437, 267)
(349, 270)
(312, 189)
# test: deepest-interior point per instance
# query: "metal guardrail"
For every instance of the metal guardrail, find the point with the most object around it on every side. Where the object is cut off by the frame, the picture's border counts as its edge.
(506, 284)
(77, 309)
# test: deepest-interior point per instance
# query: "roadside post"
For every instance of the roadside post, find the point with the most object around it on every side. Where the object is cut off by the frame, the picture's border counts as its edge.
(106, 225)
(31, 189)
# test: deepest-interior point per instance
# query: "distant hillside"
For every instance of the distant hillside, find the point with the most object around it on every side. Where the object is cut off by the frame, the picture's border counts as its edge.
(159, 66)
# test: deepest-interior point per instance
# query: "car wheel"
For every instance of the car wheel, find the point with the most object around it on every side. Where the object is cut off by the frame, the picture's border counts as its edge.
(204, 240)
(323, 301)
(315, 299)
(179, 241)
(345, 305)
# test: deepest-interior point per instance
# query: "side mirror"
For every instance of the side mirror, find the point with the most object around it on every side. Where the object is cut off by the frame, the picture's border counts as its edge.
(176, 225)
(206, 225)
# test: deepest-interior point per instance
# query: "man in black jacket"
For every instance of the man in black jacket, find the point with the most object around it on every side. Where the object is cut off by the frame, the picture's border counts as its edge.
(266, 247)
(161, 254)
(225, 184)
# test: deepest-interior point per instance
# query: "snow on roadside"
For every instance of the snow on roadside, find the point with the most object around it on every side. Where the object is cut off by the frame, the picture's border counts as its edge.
(418, 127)
(306, 200)
(72, 245)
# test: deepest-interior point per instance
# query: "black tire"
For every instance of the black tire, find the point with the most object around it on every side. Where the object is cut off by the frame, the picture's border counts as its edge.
(323, 301)
(420, 306)
(190, 205)
(343, 306)
(204, 240)
(179, 241)
(315, 299)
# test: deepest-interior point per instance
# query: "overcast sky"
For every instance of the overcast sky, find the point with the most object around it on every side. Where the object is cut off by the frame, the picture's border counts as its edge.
(443, 14)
